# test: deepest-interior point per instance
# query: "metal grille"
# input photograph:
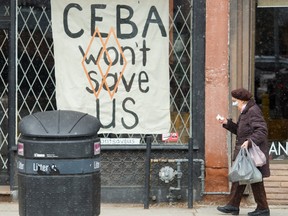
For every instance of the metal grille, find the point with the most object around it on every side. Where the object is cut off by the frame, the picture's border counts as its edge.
(36, 80)
(180, 70)
(4, 97)
(121, 169)
(4, 9)
(4, 49)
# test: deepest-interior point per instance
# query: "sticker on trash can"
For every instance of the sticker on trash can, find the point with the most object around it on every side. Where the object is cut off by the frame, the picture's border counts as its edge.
(21, 149)
(97, 148)
(96, 165)
(43, 169)
(20, 165)
(39, 155)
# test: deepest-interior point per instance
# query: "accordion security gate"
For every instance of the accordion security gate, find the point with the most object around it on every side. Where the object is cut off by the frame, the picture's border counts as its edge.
(36, 87)
(4, 106)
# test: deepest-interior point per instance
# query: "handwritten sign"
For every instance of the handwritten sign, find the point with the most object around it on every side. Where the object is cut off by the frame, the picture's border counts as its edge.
(111, 61)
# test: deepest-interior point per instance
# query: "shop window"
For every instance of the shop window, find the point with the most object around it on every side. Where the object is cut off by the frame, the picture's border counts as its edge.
(36, 78)
(271, 73)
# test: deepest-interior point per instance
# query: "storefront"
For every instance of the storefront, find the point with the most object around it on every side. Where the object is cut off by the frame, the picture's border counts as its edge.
(212, 48)
(156, 59)
(252, 55)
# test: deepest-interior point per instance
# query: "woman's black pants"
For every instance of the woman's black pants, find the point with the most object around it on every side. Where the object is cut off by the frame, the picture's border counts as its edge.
(258, 190)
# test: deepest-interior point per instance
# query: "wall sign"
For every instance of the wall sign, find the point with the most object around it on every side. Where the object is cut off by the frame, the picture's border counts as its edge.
(278, 150)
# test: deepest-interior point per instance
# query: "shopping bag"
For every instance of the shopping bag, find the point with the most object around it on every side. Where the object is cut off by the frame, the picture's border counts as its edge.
(256, 176)
(257, 155)
(242, 169)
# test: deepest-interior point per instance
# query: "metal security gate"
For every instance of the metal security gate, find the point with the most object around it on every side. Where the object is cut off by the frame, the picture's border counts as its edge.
(36, 81)
(4, 52)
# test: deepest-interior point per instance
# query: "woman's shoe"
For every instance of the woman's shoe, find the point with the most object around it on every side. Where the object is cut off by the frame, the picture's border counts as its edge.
(257, 212)
(228, 209)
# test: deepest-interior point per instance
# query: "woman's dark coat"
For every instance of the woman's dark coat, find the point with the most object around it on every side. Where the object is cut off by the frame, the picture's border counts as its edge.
(251, 125)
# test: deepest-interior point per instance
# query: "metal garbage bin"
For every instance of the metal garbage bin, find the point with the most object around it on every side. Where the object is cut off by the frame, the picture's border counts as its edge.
(59, 164)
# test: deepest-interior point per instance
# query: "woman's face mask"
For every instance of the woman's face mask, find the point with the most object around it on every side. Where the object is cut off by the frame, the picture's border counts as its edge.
(235, 103)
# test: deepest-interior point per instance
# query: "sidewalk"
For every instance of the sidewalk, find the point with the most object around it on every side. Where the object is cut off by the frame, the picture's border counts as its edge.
(11, 209)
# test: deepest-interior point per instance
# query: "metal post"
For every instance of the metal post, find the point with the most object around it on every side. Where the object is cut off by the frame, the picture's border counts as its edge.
(190, 141)
(190, 173)
(147, 171)
(197, 88)
(12, 93)
(198, 68)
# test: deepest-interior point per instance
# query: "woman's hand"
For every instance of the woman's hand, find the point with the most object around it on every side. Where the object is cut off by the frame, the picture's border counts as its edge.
(245, 144)
(221, 119)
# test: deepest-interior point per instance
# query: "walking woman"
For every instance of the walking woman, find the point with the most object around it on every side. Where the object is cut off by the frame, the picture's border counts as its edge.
(250, 126)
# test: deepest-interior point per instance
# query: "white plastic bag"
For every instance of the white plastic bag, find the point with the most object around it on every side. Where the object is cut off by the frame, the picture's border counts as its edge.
(256, 176)
(242, 169)
(257, 155)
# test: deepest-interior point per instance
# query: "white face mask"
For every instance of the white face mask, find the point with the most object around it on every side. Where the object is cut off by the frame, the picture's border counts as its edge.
(235, 103)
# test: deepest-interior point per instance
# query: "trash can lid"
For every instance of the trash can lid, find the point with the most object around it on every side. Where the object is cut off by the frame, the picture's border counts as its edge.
(59, 123)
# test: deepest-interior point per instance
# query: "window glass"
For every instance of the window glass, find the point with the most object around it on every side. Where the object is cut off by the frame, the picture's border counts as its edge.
(271, 75)
(36, 75)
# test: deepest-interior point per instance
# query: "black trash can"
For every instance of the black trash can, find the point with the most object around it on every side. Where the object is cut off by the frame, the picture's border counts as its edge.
(59, 164)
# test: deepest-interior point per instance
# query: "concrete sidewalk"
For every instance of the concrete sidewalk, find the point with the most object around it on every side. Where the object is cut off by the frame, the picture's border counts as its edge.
(11, 209)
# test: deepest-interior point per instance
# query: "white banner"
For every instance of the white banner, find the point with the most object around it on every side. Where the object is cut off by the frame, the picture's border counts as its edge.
(111, 61)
